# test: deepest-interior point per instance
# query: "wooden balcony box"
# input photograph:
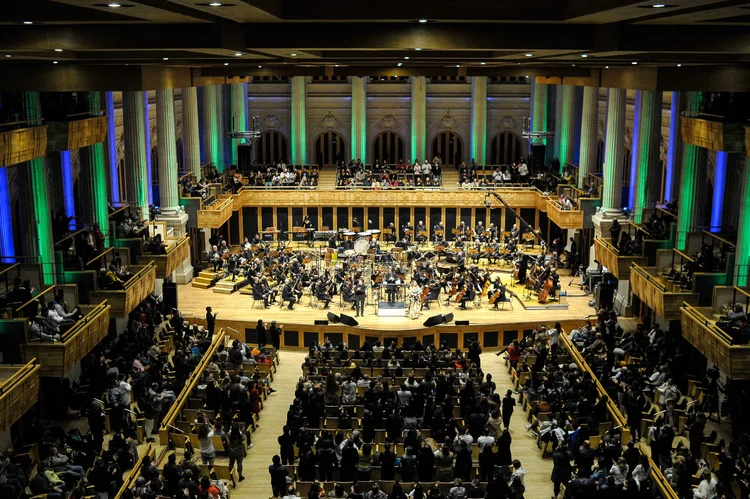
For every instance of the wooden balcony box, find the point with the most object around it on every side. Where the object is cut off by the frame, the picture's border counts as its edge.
(137, 288)
(177, 252)
(658, 294)
(714, 135)
(23, 144)
(69, 135)
(215, 215)
(565, 219)
(19, 391)
(57, 359)
(610, 257)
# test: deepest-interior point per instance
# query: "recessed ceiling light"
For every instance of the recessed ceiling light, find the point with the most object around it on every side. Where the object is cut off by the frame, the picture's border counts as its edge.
(238, 54)
(482, 63)
(634, 63)
(529, 54)
(407, 57)
(293, 54)
(336, 65)
(260, 67)
(7, 55)
(658, 5)
(114, 5)
(584, 55)
(606, 67)
(417, 48)
(58, 50)
(165, 58)
(527, 76)
(54, 62)
(28, 22)
(572, 64)
(679, 65)
(226, 64)
(423, 20)
(215, 4)
(458, 65)
(400, 64)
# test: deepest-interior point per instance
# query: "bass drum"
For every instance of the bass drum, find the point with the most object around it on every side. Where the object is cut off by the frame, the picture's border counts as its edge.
(361, 246)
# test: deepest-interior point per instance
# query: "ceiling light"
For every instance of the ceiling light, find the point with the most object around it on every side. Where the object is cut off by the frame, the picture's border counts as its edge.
(423, 20)
(679, 65)
(293, 54)
(226, 64)
(260, 67)
(529, 54)
(400, 64)
(482, 63)
(54, 62)
(407, 57)
(238, 54)
(215, 4)
(658, 5)
(584, 55)
(606, 67)
(7, 55)
(417, 48)
(114, 5)
(527, 76)
(634, 63)
(165, 58)
(58, 50)
(336, 65)
(28, 22)
(572, 64)
(458, 65)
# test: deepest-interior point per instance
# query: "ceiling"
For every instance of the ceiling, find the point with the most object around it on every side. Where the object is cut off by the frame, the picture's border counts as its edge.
(372, 37)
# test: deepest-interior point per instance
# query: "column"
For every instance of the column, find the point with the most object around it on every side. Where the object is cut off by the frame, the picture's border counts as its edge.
(614, 157)
(589, 134)
(299, 123)
(94, 178)
(147, 136)
(36, 222)
(111, 153)
(191, 139)
(692, 180)
(630, 202)
(359, 118)
(53, 165)
(134, 124)
(7, 242)
(674, 154)
(557, 120)
(648, 174)
(742, 254)
(221, 136)
(539, 109)
(566, 131)
(68, 197)
(479, 119)
(418, 117)
(209, 125)
(720, 180)
(239, 114)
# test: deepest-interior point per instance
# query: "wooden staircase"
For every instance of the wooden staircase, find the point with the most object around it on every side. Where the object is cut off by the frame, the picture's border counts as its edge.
(327, 177)
(204, 280)
(227, 286)
(450, 179)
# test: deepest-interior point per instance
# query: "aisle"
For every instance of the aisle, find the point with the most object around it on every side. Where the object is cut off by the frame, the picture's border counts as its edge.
(523, 448)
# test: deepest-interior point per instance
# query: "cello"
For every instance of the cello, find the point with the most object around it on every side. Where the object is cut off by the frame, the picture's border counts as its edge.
(546, 288)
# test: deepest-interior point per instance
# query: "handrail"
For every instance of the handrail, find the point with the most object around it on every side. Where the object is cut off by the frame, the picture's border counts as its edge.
(72, 235)
(18, 376)
(118, 210)
(683, 255)
(33, 299)
(556, 205)
(94, 313)
(700, 318)
(222, 204)
(131, 282)
(645, 275)
(9, 268)
(171, 417)
(36, 120)
(100, 256)
(719, 238)
(100, 112)
(135, 472)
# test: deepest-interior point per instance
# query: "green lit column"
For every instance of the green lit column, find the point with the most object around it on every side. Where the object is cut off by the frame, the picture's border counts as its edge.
(359, 118)
(222, 101)
(479, 119)
(539, 107)
(239, 114)
(614, 156)
(589, 134)
(742, 254)
(191, 138)
(35, 213)
(692, 180)
(94, 177)
(647, 159)
(566, 132)
(299, 121)
(558, 89)
(134, 125)
(418, 118)
(210, 125)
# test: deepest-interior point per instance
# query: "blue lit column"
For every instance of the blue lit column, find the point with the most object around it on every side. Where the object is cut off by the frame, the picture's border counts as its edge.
(67, 187)
(674, 154)
(720, 179)
(634, 150)
(7, 243)
(111, 145)
(149, 171)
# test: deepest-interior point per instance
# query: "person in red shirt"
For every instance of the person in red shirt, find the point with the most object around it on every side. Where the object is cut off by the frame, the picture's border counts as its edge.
(207, 486)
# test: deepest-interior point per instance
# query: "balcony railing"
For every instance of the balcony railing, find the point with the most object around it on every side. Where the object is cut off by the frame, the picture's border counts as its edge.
(19, 391)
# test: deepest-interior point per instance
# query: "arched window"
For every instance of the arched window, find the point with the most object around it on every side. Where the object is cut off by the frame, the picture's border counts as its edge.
(330, 149)
(180, 157)
(450, 148)
(505, 149)
(388, 148)
(272, 147)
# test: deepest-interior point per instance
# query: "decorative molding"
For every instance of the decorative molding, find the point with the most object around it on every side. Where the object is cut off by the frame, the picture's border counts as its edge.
(388, 122)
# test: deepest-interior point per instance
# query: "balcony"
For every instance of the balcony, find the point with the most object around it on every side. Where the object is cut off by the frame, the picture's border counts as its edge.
(216, 214)
(19, 391)
(22, 144)
(609, 256)
(725, 347)
(178, 251)
(57, 359)
(136, 289)
(70, 135)
(712, 132)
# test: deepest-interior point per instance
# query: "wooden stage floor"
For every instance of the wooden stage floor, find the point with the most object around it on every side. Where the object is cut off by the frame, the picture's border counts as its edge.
(237, 307)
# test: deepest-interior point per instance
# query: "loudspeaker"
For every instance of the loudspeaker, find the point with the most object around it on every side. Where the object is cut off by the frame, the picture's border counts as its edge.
(462, 323)
(169, 293)
(333, 318)
(435, 320)
(349, 320)
(448, 318)
(321, 322)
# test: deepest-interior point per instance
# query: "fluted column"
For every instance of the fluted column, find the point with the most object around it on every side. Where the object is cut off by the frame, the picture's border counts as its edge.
(134, 124)
(359, 118)
(191, 139)
(223, 108)
(613, 161)
(419, 118)
(539, 109)
(720, 181)
(692, 180)
(299, 120)
(7, 242)
(209, 125)
(147, 137)
(111, 149)
(648, 174)
(166, 140)
(94, 177)
(36, 222)
(239, 114)
(589, 135)
(742, 254)
(674, 154)
(635, 133)
(479, 119)
(566, 133)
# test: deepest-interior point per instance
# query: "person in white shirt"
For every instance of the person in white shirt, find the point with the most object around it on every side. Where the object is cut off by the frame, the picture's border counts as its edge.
(567, 204)
(465, 437)
(426, 168)
(506, 176)
(523, 171)
(707, 488)
(485, 440)
(417, 169)
(404, 396)
(619, 471)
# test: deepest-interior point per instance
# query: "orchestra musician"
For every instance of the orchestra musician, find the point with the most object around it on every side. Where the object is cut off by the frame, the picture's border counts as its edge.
(462, 228)
(478, 231)
(470, 293)
(407, 235)
(347, 293)
(214, 256)
(258, 293)
(356, 224)
(323, 291)
(391, 286)
(360, 292)
(494, 254)
(493, 232)
(389, 238)
(499, 287)
(290, 293)
(438, 237)
(433, 294)
(307, 224)
(421, 228)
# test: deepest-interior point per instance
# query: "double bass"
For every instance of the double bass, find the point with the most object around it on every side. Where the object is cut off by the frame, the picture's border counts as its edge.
(545, 291)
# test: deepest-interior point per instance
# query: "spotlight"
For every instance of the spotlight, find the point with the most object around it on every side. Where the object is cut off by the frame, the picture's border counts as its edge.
(165, 58)
(658, 5)
(215, 4)
(260, 67)
(679, 65)
(54, 62)
(32, 22)
(406, 57)
(337, 65)
(114, 5)
(226, 64)
(606, 67)
(293, 54)
(400, 64)
(482, 63)
(7, 55)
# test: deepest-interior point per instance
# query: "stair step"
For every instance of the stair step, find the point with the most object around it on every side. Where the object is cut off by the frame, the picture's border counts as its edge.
(201, 285)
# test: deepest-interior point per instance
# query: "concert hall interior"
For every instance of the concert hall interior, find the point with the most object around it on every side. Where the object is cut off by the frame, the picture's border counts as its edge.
(238, 230)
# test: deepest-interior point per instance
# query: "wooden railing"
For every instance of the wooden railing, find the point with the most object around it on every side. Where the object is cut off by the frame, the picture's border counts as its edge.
(216, 215)
(129, 482)
(19, 391)
(609, 256)
(70, 135)
(56, 359)
(565, 219)
(28, 309)
(136, 289)
(168, 423)
(23, 144)
(177, 252)
(654, 293)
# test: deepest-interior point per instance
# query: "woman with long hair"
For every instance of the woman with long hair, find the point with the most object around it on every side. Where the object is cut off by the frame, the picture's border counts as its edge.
(235, 445)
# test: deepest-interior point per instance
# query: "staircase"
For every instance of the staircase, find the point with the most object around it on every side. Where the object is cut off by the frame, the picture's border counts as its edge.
(327, 177)
(450, 179)
(204, 280)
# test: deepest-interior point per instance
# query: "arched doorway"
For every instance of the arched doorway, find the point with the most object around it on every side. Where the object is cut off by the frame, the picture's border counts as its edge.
(505, 149)
(388, 148)
(330, 149)
(272, 147)
(450, 147)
